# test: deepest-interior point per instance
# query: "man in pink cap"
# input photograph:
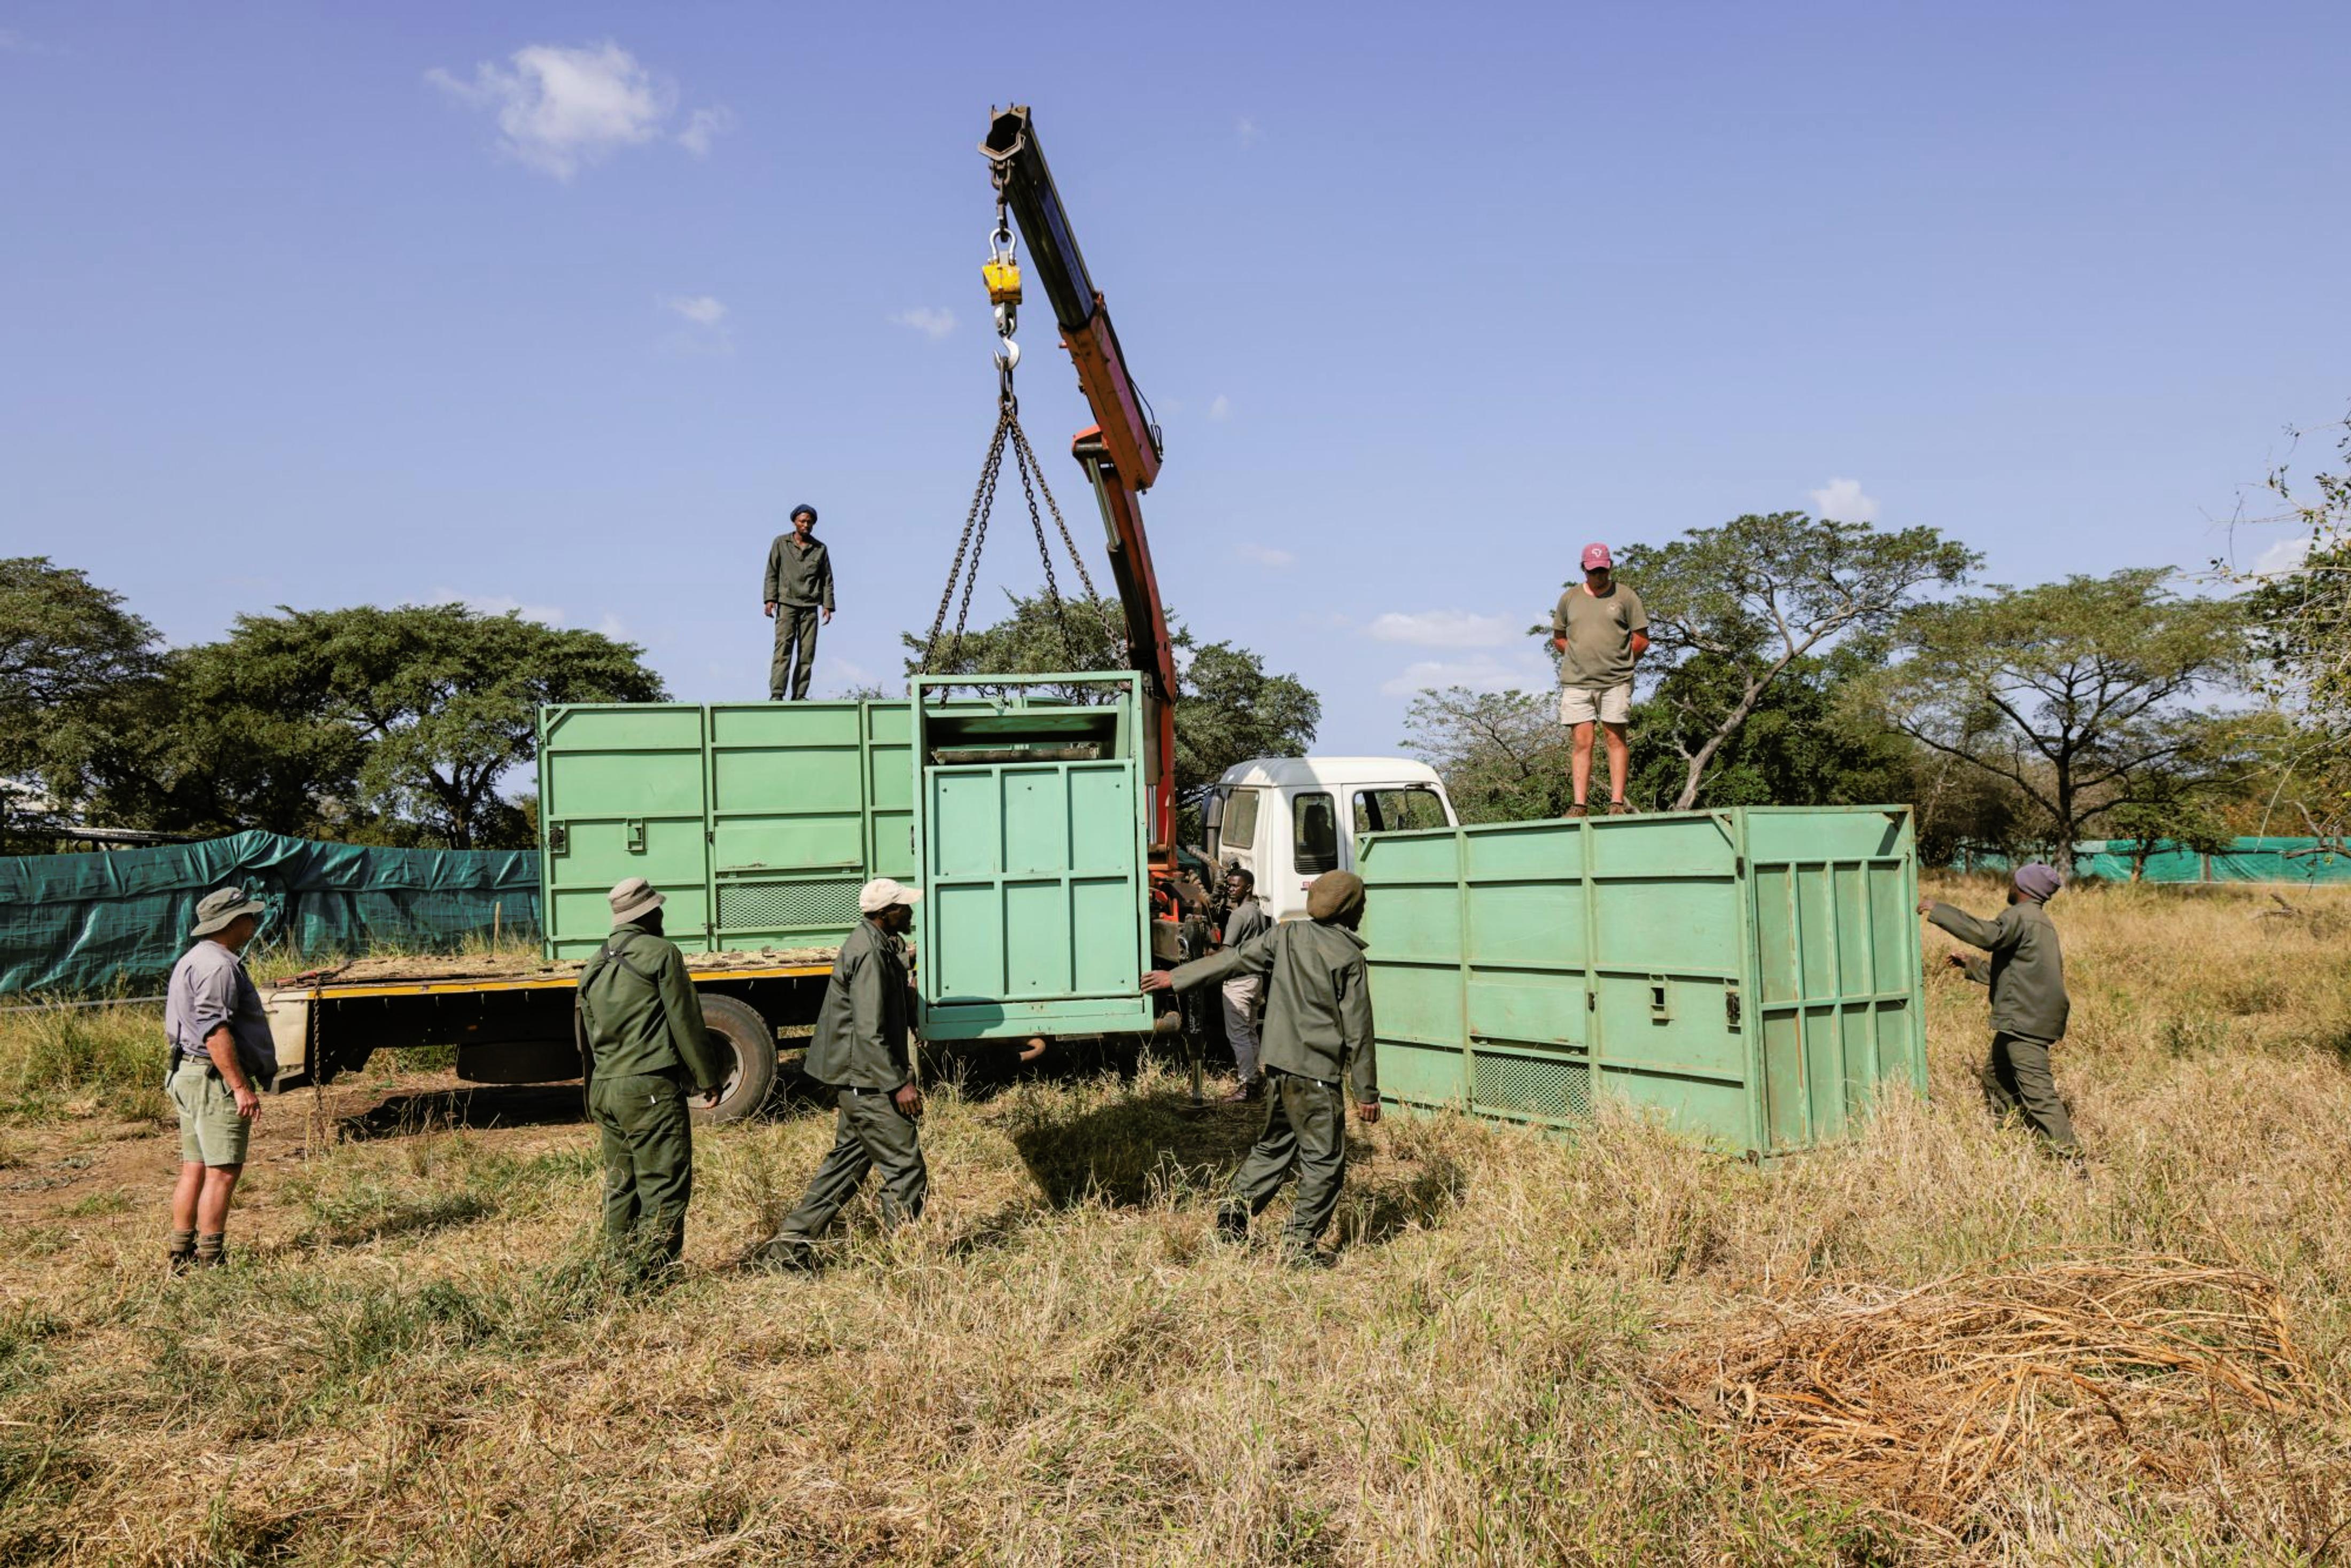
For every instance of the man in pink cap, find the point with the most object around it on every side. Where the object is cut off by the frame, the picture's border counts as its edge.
(1601, 632)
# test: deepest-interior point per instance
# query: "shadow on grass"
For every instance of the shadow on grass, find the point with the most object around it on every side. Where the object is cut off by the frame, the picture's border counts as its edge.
(403, 1218)
(469, 1105)
(1135, 1150)
(1373, 1212)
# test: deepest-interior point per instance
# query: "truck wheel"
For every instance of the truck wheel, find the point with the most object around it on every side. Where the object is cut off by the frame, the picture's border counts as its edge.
(737, 1026)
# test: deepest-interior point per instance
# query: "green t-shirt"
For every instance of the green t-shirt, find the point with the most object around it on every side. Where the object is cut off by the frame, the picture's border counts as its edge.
(1599, 632)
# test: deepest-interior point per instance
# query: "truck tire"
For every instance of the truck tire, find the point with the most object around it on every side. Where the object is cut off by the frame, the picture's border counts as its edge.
(737, 1027)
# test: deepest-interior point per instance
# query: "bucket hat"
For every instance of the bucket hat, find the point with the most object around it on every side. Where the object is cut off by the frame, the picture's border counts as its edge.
(632, 897)
(216, 910)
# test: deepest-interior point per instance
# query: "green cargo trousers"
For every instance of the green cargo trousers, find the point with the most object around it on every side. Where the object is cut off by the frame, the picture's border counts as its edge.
(2017, 1083)
(648, 1165)
(795, 627)
(1305, 1129)
(870, 1134)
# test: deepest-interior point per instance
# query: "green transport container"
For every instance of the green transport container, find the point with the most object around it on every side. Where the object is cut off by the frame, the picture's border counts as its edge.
(760, 820)
(1031, 815)
(1751, 973)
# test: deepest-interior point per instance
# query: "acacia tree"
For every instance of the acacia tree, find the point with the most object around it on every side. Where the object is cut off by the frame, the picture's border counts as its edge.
(2300, 627)
(2078, 694)
(1760, 593)
(1502, 755)
(68, 649)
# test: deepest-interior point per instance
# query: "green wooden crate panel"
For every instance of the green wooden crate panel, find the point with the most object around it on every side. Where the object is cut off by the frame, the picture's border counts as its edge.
(1417, 923)
(965, 826)
(1534, 923)
(789, 726)
(592, 784)
(1708, 1110)
(1690, 1035)
(1410, 1002)
(1653, 927)
(1106, 949)
(1676, 846)
(634, 726)
(1527, 1005)
(1820, 834)
(778, 782)
(787, 843)
(1524, 850)
(1422, 1074)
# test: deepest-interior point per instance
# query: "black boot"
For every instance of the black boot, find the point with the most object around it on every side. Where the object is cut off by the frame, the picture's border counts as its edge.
(182, 1255)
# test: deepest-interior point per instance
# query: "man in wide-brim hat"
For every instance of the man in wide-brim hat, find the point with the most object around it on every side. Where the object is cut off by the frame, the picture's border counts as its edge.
(221, 1057)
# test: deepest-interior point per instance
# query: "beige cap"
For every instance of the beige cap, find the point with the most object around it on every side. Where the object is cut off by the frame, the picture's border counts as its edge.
(216, 910)
(632, 897)
(882, 893)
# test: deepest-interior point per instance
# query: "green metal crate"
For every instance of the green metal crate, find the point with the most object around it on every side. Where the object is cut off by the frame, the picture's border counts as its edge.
(760, 820)
(1752, 974)
(1031, 817)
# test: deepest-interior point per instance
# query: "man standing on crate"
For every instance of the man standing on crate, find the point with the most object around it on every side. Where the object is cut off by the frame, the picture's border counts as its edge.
(221, 1057)
(862, 1052)
(1601, 632)
(641, 1042)
(2026, 974)
(1318, 1038)
(799, 595)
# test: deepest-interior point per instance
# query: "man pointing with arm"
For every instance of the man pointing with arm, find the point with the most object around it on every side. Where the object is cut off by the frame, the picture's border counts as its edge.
(1318, 1037)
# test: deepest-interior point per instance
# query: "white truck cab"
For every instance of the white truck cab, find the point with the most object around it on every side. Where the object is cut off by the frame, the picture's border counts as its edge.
(1287, 820)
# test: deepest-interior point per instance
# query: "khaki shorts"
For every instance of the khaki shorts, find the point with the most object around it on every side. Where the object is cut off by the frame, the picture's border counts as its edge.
(210, 1132)
(1610, 704)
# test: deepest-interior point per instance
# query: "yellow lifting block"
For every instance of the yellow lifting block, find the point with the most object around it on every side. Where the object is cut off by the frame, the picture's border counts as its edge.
(1003, 281)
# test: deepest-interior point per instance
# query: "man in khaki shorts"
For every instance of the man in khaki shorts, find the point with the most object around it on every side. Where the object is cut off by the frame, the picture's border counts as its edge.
(221, 1056)
(1601, 632)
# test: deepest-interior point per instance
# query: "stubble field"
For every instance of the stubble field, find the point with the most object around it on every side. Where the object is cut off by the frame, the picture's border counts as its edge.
(1930, 1344)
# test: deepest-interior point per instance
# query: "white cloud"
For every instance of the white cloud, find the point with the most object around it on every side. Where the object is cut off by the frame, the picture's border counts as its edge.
(1264, 555)
(612, 627)
(1480, 672)
(930, 321)
(705, 126)
(1220, 407)
(2283, 559)
(701, 309)
(15, 43)
(1842, 501)
(1443, 629)
(562, 109)
(498, 604)
(1246, 132)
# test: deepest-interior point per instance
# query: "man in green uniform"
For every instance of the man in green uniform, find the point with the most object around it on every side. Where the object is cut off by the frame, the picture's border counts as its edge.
(2029, 1006)
(798, 594)
(1317, 1036)
(643, 1041)
(861, 1052)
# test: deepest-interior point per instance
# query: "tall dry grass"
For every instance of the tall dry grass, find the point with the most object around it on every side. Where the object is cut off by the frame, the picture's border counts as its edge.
(417, 1360)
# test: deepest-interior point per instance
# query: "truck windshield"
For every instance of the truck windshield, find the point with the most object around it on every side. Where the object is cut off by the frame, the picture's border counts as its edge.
(1314, 843)
(1388, 810)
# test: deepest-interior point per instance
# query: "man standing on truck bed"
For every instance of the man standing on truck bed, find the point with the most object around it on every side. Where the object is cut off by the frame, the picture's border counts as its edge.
(221, 1055)
(798, 595)
(642, 1039)
(2029, 1005)
(861, 1052)
(1601, 632)
(1318, 1034)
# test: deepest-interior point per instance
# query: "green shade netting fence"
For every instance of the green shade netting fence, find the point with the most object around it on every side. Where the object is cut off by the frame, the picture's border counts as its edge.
(94, 922)
(2309, 862)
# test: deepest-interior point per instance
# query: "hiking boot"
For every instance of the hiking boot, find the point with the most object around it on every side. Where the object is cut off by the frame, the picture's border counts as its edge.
(181, 1255)
(1247, 1093)
(1579, 810)
(1232, 1223)
(785, 1254)
(1305, 1258)
(1618, 808)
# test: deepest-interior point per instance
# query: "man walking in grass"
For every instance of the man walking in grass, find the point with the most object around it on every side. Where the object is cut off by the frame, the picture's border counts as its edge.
(799, 595)
(2026, 974)
(642, 1042)
(221, 1057)
(1601, 632)
(1318, 1037)
(862, 1052)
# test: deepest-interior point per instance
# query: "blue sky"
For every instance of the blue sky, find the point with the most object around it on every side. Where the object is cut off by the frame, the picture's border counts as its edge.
(563, 307)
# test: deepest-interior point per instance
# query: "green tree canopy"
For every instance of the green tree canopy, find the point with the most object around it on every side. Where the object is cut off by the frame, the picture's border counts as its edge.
(2082, 696)
(68, 652)
(1757, 595)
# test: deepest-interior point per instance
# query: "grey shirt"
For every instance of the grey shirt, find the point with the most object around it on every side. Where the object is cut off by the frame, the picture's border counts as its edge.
(210, 988)
(1247, 920)
(1599, 636)
(2026, 974)
(800, 574)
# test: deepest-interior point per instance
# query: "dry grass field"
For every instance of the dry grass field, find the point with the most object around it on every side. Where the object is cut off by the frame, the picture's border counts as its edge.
(1928, 1345)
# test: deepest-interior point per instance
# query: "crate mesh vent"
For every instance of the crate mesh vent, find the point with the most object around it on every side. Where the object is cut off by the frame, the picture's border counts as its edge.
(1536, 1086)
(781, 905)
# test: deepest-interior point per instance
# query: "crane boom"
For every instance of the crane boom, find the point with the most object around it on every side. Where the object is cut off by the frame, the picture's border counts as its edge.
(1119, 451)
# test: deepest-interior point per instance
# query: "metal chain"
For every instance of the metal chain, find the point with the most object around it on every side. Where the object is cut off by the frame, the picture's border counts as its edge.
(975, 533)
(1028, 457)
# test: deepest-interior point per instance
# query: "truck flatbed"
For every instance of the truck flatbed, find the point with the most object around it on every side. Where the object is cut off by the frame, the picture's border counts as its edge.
(431, 975)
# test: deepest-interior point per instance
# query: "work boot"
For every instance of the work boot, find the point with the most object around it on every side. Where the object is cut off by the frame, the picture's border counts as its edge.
(1618, 808)
(785, 1254)
(182, 1254)
(1579, 810)
(1247, 1093)
(1232, 1222)
(1305, 1258)
(211, 1251)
